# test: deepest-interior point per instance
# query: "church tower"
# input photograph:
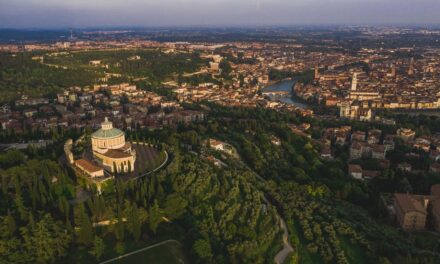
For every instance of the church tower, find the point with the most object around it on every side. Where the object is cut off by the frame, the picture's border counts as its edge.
(316, 72)
(354, 82)
(411, 67)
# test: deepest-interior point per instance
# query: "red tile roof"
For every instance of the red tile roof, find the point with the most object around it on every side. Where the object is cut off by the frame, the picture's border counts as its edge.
(354, 168)
(116, 154)
(408, 203)
(87, 165)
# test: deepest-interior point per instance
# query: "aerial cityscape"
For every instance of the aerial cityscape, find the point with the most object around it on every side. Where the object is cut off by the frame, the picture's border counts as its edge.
(250, 137)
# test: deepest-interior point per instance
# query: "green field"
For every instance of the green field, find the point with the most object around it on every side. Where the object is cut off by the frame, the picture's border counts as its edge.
(168, 253)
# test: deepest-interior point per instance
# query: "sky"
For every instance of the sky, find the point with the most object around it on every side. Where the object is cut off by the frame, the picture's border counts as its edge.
(153, 13)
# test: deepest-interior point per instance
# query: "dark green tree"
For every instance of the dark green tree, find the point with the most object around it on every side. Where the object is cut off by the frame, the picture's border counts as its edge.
(134, 222)
(85, 232)
(155, 216)
(98, 248)
(202, 248)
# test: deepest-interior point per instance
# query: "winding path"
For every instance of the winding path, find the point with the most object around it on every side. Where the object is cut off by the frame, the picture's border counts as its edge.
(281, 256)
(287, 249)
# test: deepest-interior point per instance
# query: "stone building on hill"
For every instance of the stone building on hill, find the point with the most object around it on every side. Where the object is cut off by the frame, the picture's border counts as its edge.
(111, 150)
(89, 168)
(411, 212)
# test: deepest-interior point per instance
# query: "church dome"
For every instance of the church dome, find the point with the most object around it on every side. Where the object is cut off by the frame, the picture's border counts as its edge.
(107, 131)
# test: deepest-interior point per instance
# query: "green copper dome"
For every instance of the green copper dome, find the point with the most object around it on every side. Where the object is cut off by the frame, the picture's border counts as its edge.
(107, 133)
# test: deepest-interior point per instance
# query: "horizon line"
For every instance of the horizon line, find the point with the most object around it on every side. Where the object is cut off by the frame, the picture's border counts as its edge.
(225, 26)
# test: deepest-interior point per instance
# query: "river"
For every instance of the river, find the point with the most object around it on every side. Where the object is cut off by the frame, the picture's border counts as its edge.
(285, 85)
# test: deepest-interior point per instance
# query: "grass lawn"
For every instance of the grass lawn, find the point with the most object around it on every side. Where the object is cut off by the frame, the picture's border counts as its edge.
(168, 253)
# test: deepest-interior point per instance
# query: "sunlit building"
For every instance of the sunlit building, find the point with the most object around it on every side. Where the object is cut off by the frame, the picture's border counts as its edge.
(111, 150)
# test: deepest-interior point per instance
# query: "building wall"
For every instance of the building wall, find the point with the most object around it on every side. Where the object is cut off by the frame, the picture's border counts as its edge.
(357, 175)
(344, 110)
(218, 147)
(414, 221)
(361, 96)
(436, 216)
(355, 153)
(399, 213)
(378, 155)
(68, 150)
(99, 173)
(101, 145)
(122, 164)
(410, 220)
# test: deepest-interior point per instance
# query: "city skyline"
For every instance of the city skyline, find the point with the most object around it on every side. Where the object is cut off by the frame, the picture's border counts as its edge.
(116, 13)
(251, 132)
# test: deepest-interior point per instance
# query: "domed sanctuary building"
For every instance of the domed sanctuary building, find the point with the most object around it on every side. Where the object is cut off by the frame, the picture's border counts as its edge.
(110, 149)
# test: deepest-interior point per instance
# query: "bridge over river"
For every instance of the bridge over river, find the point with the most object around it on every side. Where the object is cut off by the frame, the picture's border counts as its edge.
(282, 91)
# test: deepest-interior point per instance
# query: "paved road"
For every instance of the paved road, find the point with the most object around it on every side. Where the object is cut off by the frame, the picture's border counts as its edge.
(287, 247)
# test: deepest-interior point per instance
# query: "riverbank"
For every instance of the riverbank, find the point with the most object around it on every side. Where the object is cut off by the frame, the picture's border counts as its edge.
(285, 93)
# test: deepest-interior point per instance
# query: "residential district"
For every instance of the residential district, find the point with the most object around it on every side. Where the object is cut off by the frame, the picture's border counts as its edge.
(360, 88)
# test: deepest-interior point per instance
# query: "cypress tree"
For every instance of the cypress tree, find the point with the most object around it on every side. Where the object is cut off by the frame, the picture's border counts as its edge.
(115, 169)
(31, 221)
(155, 216)
(134, 222)
(10, 221)
(119, 227)
(98, 248)
(85, 233)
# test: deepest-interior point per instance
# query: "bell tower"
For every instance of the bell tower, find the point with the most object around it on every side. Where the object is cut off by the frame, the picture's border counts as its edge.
(354, 82)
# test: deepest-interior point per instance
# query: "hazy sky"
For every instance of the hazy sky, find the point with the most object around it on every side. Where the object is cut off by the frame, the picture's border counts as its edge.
(89, 13)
